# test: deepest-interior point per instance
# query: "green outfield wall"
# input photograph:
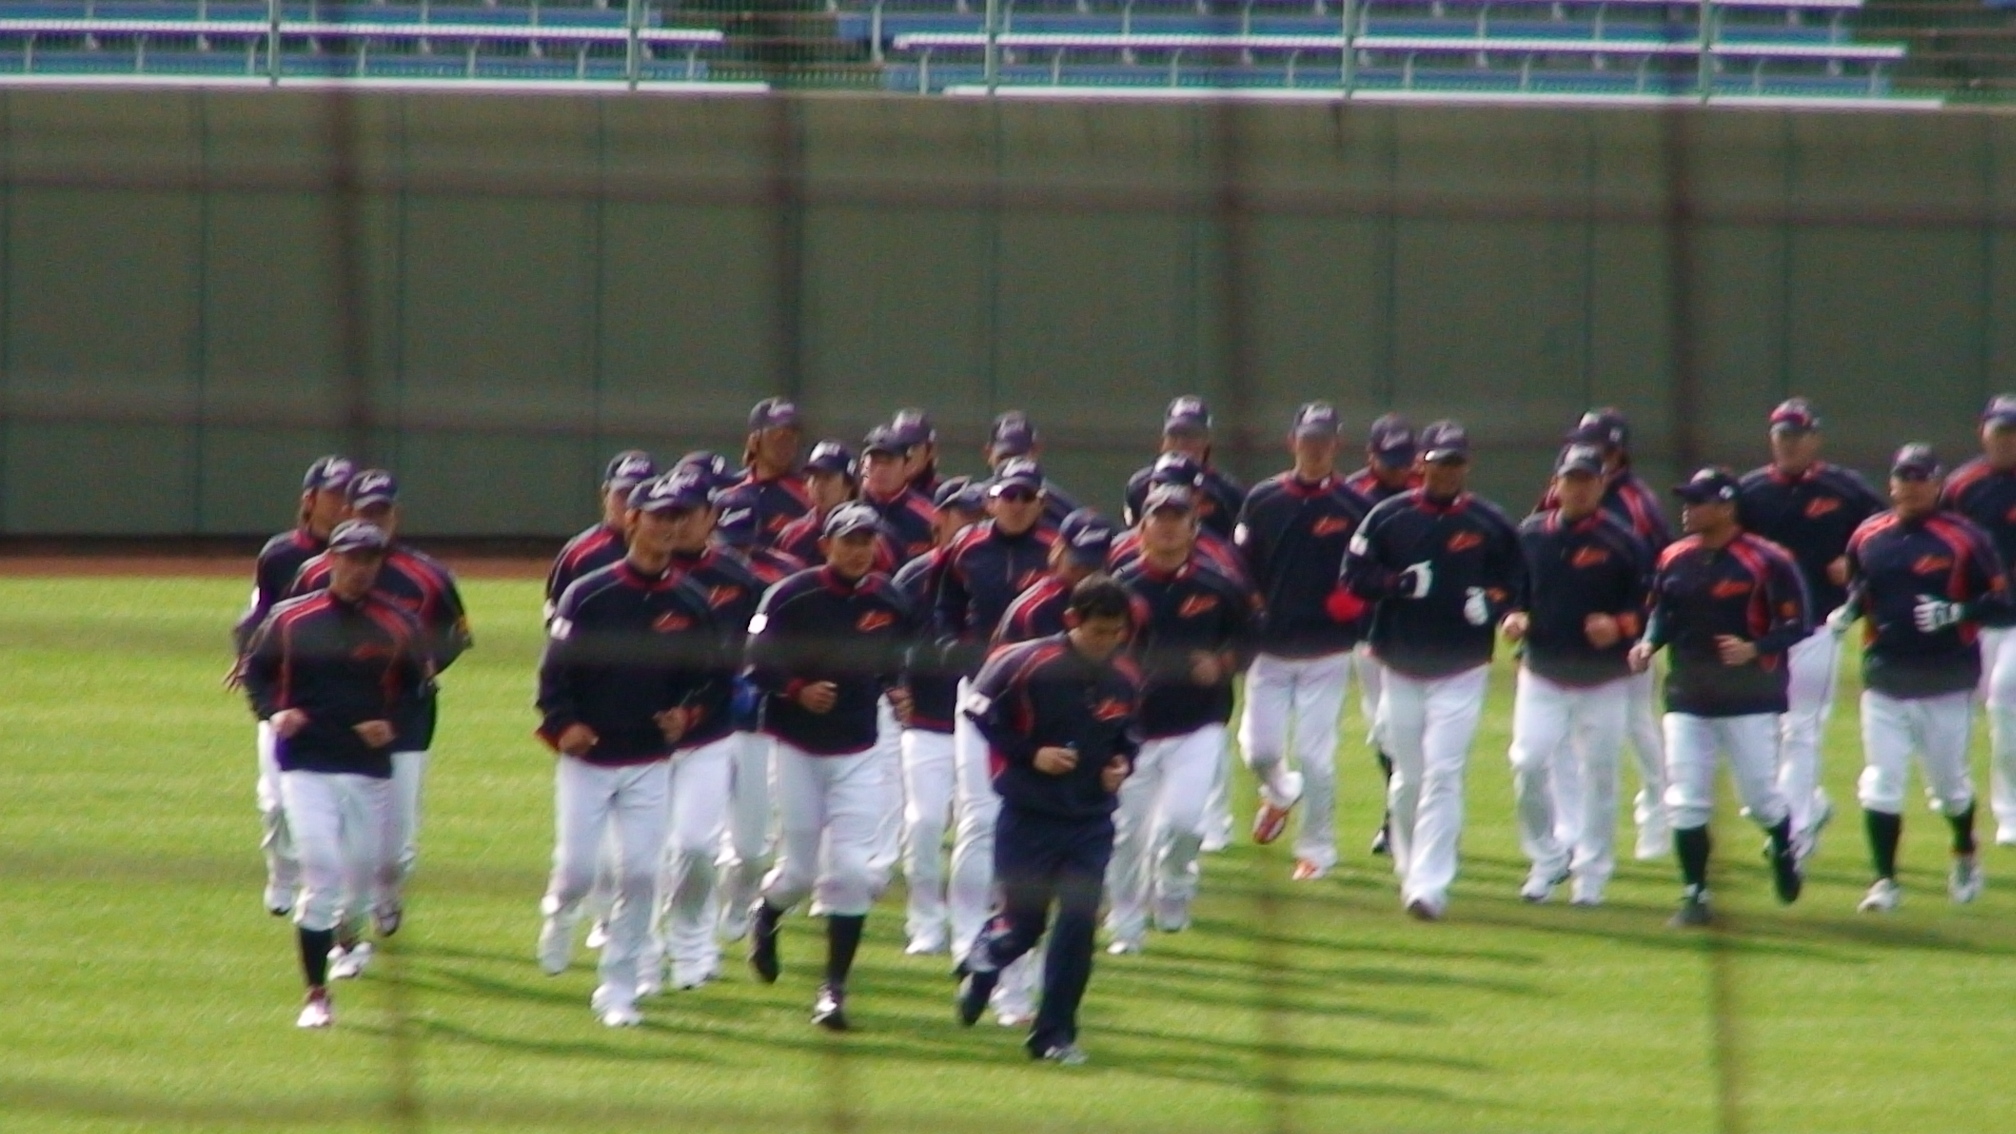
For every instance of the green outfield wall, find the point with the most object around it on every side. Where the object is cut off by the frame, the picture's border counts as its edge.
(200, 291)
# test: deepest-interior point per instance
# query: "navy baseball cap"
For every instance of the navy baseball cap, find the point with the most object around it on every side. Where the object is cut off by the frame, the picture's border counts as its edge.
(850, 518)
(1444, 441)
(1711, 484)
(1017, 472)
(676, 491)
(1315, 419)
(1013, 435)
(1580, 459)
(735, 525)
(1606, 426)
(773, 413)
(2001, 411)
(883, 439)
(1916, 461)
(1176, 468)
(1086, 537)
(1178, 496)
(1794, 415)
(912, 428)
(712, 467)
(373, 486)
(358, 535)
(831, 457)
(628, 469)
(960, 494)
(1391, 441)
(1187, 416)
(329, 474)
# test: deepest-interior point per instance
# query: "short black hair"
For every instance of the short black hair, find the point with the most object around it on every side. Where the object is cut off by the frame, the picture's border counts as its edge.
(1101, 596)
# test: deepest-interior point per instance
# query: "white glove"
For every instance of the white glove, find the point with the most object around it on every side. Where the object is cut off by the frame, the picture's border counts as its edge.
(1476, 608)
(1839, 620)
(1933, 615)
(1415, 580)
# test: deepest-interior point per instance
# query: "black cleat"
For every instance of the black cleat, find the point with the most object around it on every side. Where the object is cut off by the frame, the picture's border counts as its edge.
(1787, 876)
(830, 1010)
(1693, 912)
(763, 942)
(975, 989)
(1382, 839)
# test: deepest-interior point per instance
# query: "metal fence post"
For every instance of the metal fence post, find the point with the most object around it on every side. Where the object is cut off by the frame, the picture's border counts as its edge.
(633, 49)
(273, 42)
(1347, 74)
(1704, 76)
(992, 67)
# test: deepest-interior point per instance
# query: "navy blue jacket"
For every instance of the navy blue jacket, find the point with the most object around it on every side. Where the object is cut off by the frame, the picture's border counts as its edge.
(1894, 564)
(732, 591)
(1469, 545)
(1293, 536)
(1594, 565)
(591, 550)
(985, 569)
(1627, 497)
(1043, 693)
(1987, 497)
(621, 648)
(1751, 589)
(1188, 610)
(934, 689)
(1036, 613)
(906, 524)
(1223, 498)
(418, 584)
(272, 576)
(342, 663)
(1810, 515)
(777, 501)
(1366, 483)
(816, 626)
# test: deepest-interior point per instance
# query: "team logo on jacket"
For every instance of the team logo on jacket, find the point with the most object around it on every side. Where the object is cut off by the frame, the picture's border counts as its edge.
(1464, 541)
(1820, 506)
(1933, 564)
(1589, 557)
(671, 622)
(875, 620)
(718, 597)
(1329, 526)
(1729, 588)
(1110, 709)
(1195, 605)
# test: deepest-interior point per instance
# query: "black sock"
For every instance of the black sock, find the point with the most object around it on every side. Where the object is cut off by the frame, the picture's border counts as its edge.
(1963, 831)
(315, 945)
(1385, 764)
(1691, 845)
(767, 916)
(843, 937)
(1885, 830)
(1781, 835)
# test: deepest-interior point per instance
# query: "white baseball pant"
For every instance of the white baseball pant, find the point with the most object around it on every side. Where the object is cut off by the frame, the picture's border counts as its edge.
(342, 828)
(1811, 667)
(1159, 828)
(1648, 742)
(409, 770)
(834, 804)
(1556, 727)
(1218, 803)
(699, 782)
(1430, 723)
(745, 847)
(1998, 689)
(969, 892)
(1294, 705)
(1751, 744)
(928, 774)
(1371, 686)
(1936, 729)
(283, 866)
(889, 758)
(590, 803)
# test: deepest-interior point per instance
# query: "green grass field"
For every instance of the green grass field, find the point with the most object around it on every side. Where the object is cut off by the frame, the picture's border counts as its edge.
(146, 990)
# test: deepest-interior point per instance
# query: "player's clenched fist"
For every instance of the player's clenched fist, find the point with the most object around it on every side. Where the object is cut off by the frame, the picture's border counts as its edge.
(673, 723)
(1115, 773)
(819, 697)
(1602, 630)
(1513, 626)
(901, 702)
(377, 734)
(1054, 761)
(576, 740)
(287, 722)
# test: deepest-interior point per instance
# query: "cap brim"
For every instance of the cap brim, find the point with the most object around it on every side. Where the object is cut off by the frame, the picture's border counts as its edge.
(1004, 486)
(1437, 456)
(1579, 467)
(375, 498)
(1393, 458)
(2000, 420)
(1794, 426)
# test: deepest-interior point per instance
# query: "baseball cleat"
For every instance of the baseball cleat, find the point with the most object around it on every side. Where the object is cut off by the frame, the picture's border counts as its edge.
(1586, 892)
(556, 946)
(763, 942)
(615, 1011)
(1425, 908)
(1693, 912)
(686, 979)
(1884, 895)
(926, 947)
(598, 934)
(348, 964)
(975, 989)
(1270, 822)
(388, 920)
(1382, 840)
(1123, 946)
(829, 1011)
(316, 1012)
(1307, 871)
(1788, 877)
(1064, 1054)
(1540, 883)
(1965, 882)
(1172, 915)
(279, 900)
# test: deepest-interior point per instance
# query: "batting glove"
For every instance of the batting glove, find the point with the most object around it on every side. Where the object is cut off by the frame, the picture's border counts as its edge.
(1415, 580)
(1933, 615)
(1476, 608)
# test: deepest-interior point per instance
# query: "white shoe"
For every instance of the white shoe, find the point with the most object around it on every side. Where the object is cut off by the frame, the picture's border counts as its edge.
(1427, 907)
(316, 1013)
(1967, 879)
(348, 964)
(1883, 896)
(614, 1011)
(556, 946)
(1172, 915)
(598, 934)
(279, 900)
(1540, 882)
(1586, 892)
(926, 947)
(1123, 946)
(2004, 837)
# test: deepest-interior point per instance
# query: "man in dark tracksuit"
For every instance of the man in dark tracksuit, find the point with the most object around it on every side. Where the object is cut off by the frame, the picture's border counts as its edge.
(905, 512)
(1014, 438)
(1984, 491)
(1084, 544)
(330, 673)
(1186, 438)
(1058, 714)
(832, 477)
(599, 546)
(1731, 604)
(771, 479)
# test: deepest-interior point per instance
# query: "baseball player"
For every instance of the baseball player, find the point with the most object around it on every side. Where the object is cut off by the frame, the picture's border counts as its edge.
(1217, 549)
(714, 470)
(1583, 608)
(1926, 581)
(331, 673)
(1440, 566)
(1082, 549)
(1631, 500)
(602, 544)
(771, 457)
(1186, 431)
(1389, 470)
(1058, 716)
(1809, 508)
(631, 666)
(1014, 437)
(1984, 491)
(825, 646)
(1190, 645)
(919, 438)
(928, 765)
(1292, 532)
(831, 479)
(323, 505)
(425, 589)
(986, 567)
(905, 513)
(1731, 604)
